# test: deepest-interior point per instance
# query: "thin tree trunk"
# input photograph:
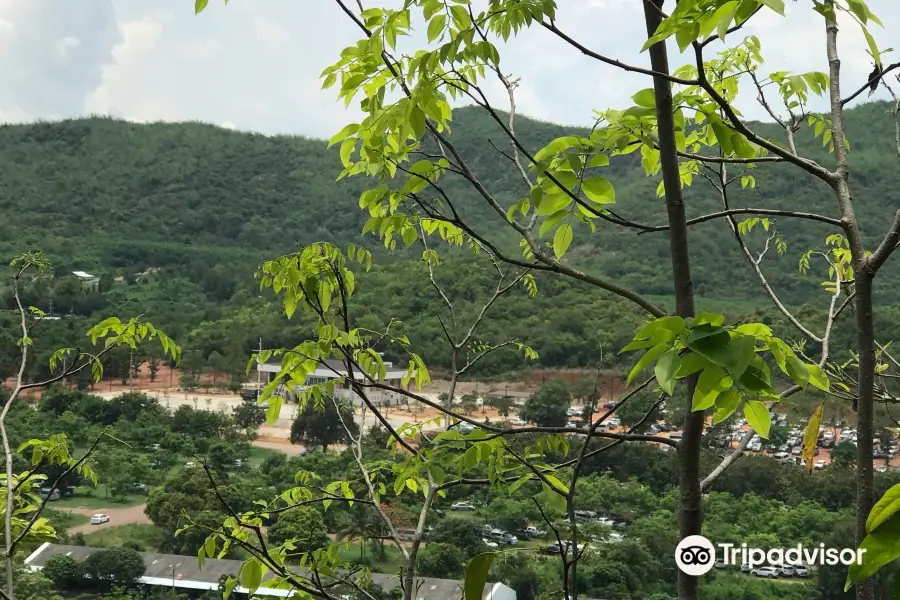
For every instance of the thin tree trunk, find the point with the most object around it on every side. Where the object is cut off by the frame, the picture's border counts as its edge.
(865, 334)
(689, 517)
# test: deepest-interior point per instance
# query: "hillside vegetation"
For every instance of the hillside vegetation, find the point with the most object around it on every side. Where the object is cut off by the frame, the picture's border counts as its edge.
(206, 205)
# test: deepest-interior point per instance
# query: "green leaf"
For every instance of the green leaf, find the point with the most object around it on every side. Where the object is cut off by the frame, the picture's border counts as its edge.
(778, 5)
(859, 9)
(881, 546)
(873, 47)
(884, 509)
(818, 378)
(476, 575)
(251, 575)
(726, 403)
(210, 546)
(797, 370)
(436, 26)
(553, 500)
(599, 189)
(757, 376)
(707, 318)
(667, 368)
(645, 361)
(712, 381)
(199, 5)
(758, 416)
(811, 435)
(646, 97)
(561, 240)
(691, 363)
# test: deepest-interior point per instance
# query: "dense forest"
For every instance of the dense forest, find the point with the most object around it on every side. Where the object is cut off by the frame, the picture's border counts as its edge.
(175, 219)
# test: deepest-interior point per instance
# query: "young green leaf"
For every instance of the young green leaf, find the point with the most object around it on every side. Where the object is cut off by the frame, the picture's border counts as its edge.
(646, 360)
(561, 240)
(666, 370)
(251, 575)
(818, 378)
(712, 381)
(881, 546)
(476, 575)
(758, 416)
(884, 509)
(726, 403)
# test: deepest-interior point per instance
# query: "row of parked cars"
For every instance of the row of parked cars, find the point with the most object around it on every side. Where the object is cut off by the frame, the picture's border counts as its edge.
(772, 571)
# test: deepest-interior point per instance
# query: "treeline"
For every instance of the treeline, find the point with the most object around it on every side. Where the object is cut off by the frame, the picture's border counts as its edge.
(185, 213)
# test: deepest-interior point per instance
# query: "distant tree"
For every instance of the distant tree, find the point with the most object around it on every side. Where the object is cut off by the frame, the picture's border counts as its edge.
(62, 570)
(503, 404)
(844, 454)
(34, 586)
(220, 455)
(462, 533)
(468, 403)
(440, 559)
(511, 514)
(304, 525)
(248, 416)
(121, 566)
(547, 407)
(632, 411)
(314, 427)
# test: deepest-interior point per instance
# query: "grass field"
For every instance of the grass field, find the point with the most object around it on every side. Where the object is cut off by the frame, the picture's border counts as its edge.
(88, 497)
(259, 455)
(392, 561)
(146, 536)
(64, 519)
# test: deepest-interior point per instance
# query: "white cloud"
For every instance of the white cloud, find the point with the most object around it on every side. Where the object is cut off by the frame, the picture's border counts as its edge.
(254, 65)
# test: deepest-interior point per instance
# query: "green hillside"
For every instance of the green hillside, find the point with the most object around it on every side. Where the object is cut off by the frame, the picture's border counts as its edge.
(205, 205)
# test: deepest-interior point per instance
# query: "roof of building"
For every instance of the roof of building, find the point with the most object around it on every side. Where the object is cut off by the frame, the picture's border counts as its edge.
(185, 572)
(83, 275)
(331, 368)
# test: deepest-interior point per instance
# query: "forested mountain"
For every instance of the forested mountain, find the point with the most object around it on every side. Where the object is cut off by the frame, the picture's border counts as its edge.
(205, 206)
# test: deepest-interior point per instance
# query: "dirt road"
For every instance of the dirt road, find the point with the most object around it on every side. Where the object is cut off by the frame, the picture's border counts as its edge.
(117, 516)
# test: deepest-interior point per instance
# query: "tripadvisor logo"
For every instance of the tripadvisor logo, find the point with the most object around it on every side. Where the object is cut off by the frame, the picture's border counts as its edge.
(695, 555)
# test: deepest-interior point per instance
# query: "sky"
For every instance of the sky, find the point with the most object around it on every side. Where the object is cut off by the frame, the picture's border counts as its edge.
(254, 65)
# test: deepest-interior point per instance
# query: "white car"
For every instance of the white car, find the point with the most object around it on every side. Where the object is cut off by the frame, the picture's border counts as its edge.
(820, 464)
(462, 506)
(489, 543)
(768, 572)
(614, 422)
(517, 421)
(99, 519)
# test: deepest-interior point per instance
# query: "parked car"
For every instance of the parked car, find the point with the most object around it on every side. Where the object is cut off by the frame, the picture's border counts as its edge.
(768, 572)
(585, 514)
(462, 506)
(189, 464)
(797, 451)
(489, 543)
(517, 421)
(745, 568)
(675, 437)
(138, 487)
(819, 465)
(720, 564)
(54, 495)
(614, 422)
(533, 531)
(609, 405)
(439, 512)
(99, 519)
(801, 571)
(787, 570)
